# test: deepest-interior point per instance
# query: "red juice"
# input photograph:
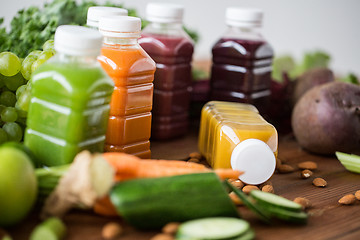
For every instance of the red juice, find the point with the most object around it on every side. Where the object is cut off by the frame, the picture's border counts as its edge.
(172, 82)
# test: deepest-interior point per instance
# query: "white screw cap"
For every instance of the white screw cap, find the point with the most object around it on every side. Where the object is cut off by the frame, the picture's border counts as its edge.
(164, 13)
(255, 159)
(120, 26)
(95, 13)
(244, 17)
(77, 40)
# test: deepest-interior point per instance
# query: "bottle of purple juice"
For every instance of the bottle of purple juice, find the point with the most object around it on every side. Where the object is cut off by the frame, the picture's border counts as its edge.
(171, 48)
(242, 59)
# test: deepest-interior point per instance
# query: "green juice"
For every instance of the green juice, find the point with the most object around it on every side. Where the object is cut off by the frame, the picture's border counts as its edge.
(68, 111)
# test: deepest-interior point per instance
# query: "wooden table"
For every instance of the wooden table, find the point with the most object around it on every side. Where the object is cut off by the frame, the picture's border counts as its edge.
(328, 219)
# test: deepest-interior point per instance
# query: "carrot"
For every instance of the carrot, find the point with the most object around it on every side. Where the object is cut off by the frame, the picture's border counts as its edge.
(174, 163)
(150, 171)
(104, 207)
(225, 173)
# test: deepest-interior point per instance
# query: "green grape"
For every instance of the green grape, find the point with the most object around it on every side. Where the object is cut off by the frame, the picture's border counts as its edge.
(37, 63)
(9, 64)
(49, 44)
(9, 114)
(35, 53)
(26, 66)
(46, 55)
(20, 90)
(24, 100)
(14, 131)
(2, 80)
(3, 136)
(2, 107)
(8, 99)
(14, 82)
(21, 114)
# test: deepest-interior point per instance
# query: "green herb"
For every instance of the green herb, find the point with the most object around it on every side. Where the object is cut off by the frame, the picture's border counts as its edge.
(350, 78)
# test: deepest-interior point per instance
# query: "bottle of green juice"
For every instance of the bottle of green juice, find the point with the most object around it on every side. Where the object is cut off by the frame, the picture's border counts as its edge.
(70, 98)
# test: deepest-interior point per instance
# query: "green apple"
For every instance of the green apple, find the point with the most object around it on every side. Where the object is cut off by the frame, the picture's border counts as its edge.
(18, 185)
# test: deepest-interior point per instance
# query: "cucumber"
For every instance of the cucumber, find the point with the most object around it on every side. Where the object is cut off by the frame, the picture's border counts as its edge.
(151, 203)
(270, 200)
(286, 215)
(248, 202)
(213, 228)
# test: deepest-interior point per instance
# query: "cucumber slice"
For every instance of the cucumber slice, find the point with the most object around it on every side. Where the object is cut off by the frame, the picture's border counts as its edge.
(214, 228)
(249, 203)
(274, 201)
(286, 215)
(249, 235)
(350, 161)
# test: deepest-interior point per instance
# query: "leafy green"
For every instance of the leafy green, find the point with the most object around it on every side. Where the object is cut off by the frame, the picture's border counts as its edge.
(31, 27)
(286, 64)
(350, 78)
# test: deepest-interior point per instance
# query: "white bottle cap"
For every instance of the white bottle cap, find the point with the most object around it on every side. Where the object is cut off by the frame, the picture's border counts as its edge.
(164, 12)
(77, 40)
(255, 159)
(120, 26)
(244, 17)
(95, 13)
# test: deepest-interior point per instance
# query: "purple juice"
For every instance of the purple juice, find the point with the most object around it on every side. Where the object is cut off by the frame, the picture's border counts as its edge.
(241, 71)
(172, 83)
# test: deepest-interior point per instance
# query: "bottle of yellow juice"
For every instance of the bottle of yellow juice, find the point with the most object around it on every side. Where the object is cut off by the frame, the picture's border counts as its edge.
(235, 135)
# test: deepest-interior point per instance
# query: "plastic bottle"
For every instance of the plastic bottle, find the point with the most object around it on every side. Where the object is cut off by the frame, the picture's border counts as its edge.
(241, 70)
(95, 13)
(132, 71)
(171, 48)
(70, 97)
(234, 135)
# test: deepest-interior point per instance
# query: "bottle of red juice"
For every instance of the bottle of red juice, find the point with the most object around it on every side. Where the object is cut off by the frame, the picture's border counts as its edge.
(171, 48)
(242, 59)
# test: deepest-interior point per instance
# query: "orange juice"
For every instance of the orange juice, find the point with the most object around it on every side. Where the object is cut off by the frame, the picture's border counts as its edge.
(224, 129)
(132, 71)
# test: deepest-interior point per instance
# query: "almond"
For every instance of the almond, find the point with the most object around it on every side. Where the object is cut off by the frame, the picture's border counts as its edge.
(235, 199)
(171, 228)
(194, 160)
(347, 199)
(307, 165)
(162, 236)
(195, 155)
(278, 162)
(248, 188)
(267, 188)
(304, 202)
(306, 173)
(319, 182)
(238, 184)
(111, 230)
(284, 168)
(357, 194)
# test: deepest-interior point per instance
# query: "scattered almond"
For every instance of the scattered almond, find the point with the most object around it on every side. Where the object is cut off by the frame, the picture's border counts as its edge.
(284, 168)
(170, 228)
(268, 188)
(235, 199)
(319, 182)
(307, 165)
(306, 173)
(357, 194)
(249, 188)
(347, 199)
(238, 184)
(162, 236)
(111, 230)
(194, 160)
(195, 155)
(304, 202)
(278, 162)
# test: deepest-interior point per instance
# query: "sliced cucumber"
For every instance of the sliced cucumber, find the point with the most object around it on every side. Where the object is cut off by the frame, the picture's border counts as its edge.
(350, 161)
(286, 215)
(215, 228)
(249, 235)
(271, 200)
(249, 203)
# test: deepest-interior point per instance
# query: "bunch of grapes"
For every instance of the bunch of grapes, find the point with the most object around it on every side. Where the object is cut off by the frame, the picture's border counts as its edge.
(15, 87)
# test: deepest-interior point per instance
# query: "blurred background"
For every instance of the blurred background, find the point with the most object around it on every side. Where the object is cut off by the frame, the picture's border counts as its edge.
(291, 26)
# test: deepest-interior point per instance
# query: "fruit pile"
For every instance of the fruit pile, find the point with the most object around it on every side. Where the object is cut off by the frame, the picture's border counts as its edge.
(15, 88)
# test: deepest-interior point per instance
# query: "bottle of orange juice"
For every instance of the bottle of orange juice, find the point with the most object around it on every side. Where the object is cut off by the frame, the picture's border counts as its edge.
(132, 71)
(235, 135)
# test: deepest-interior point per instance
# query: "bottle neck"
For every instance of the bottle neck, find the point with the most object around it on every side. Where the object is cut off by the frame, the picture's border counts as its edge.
(166, 29)
(172, 26)
(117, 41)
(251, 33)
(67, 58)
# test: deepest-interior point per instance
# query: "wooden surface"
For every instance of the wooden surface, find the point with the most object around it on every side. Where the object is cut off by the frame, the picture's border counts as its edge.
(328, 219)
